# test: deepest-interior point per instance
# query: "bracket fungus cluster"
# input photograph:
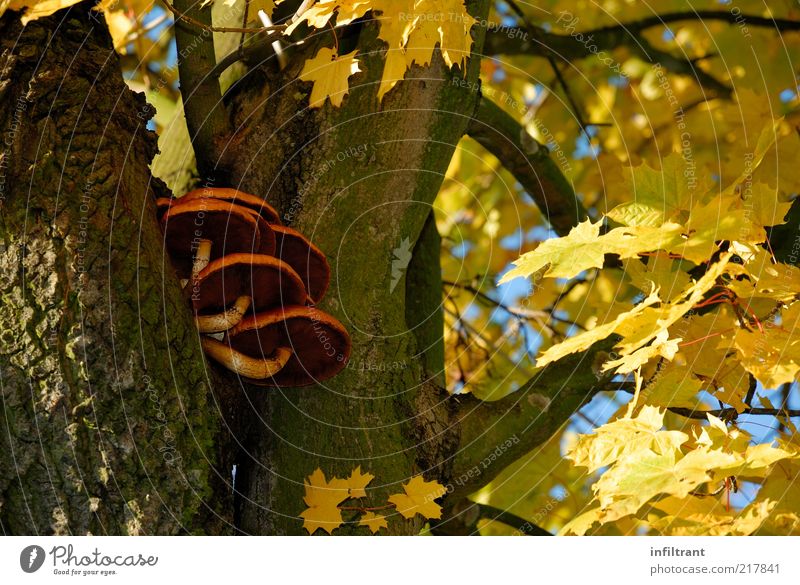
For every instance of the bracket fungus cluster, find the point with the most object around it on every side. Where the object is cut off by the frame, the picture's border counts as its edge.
(253, 285)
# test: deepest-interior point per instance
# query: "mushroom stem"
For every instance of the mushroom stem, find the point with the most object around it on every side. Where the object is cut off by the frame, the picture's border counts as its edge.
(201, 257)
(225, 320)
(244, 365)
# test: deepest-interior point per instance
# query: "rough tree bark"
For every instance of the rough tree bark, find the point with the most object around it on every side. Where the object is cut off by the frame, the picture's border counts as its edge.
(112, 421)
(361, 181)
(108, 423)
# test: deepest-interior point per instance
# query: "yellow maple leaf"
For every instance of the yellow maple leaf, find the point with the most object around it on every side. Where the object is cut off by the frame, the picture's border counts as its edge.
(620, 438)
(323, 498)
(772, 354)
(419, 498)
(584, 248)
(586, 339)
(357, 482)
(661, 346)
(657, 196)
(329, 72)
(673, 386)
(373, 521)
(412, 30)
(321, 12)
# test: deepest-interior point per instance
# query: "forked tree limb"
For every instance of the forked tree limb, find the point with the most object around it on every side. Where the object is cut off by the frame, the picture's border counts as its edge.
(529, 162)
(496, 434)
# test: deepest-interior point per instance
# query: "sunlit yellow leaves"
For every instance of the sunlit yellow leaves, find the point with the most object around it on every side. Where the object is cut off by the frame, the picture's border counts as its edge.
(330, 73)
(641, 325)
(618, 439)
(707, 360)
(411, 28)
(633, 481)
(584, 248)
(419, 498)
(644, 462)
(661, 346)
(323, 498)
(772, 354)
(661, 273)
(674, 386)
(320, 13)
(722, 218)
(650, 322)
(658, 196)
(708, 517)
(586, 339)
(373, 521)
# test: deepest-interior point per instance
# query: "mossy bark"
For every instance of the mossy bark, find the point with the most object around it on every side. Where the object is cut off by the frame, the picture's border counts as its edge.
(108, 425)
(360, 181)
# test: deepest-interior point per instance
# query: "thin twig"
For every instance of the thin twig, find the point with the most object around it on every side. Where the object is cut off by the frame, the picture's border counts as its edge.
(244, 22)
(533, 30)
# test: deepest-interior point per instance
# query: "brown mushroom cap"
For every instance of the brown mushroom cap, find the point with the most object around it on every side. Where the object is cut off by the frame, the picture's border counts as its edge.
(267, 245)
(229, 227)
(308, 261)
(235, 196)
(268, 242)
(319, 343)
(265, 279)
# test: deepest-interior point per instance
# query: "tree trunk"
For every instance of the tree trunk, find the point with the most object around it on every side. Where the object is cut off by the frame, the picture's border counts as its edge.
(109, 423)
(360, 181)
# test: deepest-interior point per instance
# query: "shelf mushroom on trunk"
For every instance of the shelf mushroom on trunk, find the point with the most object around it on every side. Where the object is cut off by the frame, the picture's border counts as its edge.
(308, 261)
(230, 286)
(288, 346)
(254, 284)
(241, 198)
(196, 232)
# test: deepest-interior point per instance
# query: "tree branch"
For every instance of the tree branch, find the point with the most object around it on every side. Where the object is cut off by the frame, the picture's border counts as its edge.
(518, 523)
(728, 413)
(462, 520)
(495, 434)
(515, 41)
(539, 42)
(206, 116)
(731, 413)
(530, 164)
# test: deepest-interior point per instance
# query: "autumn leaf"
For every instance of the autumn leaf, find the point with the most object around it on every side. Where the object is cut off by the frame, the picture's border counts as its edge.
(411, 28)
(35, 9)
(357, 482)
(584, 248)
(657, 195)
(323, 498)
(419, 498)
(373, 521)
(329, 72)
